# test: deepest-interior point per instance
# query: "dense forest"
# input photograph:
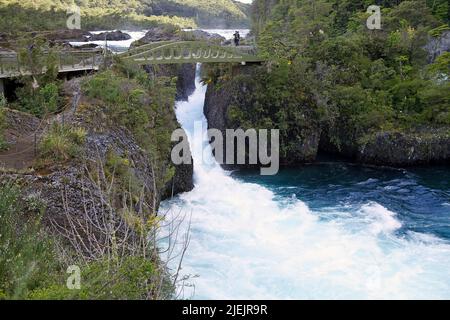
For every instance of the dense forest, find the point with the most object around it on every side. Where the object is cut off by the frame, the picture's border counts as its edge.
(219, 13)
(329, 72)
(102, 14)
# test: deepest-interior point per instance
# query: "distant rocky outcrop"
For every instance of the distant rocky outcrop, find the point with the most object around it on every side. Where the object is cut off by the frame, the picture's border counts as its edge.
(66, 35)
(86, 46)
(159, 33)
(110, 36)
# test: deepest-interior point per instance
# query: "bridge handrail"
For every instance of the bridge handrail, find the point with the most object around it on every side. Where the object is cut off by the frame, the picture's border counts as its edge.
(192, 44)
(185, 51)
(11, 64)
(144, 47)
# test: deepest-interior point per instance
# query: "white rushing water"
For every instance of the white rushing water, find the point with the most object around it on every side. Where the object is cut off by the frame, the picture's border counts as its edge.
(115, 46)
(124, 45)
(248, 244)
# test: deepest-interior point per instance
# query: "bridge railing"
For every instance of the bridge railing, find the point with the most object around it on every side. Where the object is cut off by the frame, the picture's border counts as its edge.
(145, 47)
(190, 51)
(13, 64)
(165, 52)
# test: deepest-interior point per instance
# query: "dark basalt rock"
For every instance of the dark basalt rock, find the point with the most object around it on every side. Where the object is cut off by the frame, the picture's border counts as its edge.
(390, 148)
(66, 35)
(86, 46)
(236, 93)
(110, 36)
(185, 82)
(407, 149)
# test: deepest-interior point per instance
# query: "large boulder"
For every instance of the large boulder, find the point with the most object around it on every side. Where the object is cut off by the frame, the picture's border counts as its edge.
(162, 33)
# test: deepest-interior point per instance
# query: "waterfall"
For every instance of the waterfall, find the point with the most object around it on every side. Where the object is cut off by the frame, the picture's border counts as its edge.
(246, 243)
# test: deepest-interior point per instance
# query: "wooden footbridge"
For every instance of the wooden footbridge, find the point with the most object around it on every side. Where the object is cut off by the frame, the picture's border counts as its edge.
(173, 52)
(166, 52)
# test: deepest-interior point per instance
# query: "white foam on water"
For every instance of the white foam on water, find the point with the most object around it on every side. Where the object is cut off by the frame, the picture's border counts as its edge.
(245, 244)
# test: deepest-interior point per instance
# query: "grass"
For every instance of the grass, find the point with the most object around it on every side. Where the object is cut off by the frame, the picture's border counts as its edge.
(61, 143)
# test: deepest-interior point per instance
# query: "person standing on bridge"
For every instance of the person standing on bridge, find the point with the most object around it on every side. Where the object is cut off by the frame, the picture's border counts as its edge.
(237, 38)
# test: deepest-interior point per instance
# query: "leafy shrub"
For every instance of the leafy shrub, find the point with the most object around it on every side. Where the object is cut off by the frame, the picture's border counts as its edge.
(27, 259)
(61, 143)
(101, 280)
(38, 102)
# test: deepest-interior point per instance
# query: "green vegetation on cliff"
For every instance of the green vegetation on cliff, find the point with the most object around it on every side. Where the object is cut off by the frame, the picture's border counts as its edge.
(34, 264)
(327, 69)
(109, 159)
(145, 107)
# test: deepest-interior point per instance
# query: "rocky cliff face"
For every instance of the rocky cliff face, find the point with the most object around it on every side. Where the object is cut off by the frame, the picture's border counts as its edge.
(237, 94)
(185, 81)
(77, 186)
(418, 147)
(392, 148)
(403, 149)
(437, 46)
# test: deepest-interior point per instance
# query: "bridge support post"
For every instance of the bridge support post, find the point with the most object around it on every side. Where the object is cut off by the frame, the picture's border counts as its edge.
(2, 87)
